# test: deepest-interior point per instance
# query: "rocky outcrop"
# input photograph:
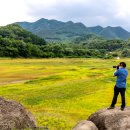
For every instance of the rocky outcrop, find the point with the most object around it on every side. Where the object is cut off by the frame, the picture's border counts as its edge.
(85, 125)
(113, 119)
(14, 116)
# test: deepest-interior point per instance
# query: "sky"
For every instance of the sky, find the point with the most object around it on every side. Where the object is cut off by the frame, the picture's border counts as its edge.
(89, 12)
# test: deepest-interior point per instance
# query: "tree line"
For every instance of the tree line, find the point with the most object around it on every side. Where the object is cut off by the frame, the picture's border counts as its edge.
(17, 42)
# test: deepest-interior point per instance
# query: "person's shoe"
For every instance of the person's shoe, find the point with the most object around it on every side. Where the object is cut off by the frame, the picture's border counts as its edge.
(122, 108)
(110, 107)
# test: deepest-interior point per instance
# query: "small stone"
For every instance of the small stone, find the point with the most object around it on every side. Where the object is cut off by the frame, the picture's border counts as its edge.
(85, 125)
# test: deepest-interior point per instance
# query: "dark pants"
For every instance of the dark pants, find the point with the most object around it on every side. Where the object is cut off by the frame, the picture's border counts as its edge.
(116, 92)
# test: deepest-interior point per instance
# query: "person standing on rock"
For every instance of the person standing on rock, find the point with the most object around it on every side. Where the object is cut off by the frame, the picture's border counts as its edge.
(120, 87)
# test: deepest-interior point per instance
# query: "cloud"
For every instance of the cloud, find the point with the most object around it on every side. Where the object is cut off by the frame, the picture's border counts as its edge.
(90, 12)
(56, 8)
(11, 10)
(72, 9)
(75, 10)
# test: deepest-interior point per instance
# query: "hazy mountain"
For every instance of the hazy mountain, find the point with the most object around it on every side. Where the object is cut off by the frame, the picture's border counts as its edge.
(56, 30)
(114, 33)
(96, 29)
(110, 32)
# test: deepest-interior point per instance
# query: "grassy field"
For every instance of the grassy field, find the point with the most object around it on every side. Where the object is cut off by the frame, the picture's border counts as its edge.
(60, 92)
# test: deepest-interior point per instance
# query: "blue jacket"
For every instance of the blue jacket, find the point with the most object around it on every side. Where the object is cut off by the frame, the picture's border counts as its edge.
(121, 74)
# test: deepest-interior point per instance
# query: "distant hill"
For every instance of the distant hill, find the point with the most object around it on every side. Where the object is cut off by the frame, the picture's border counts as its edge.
(15, 32)
(96, 29)
(115, 33)
(18, 42)
(53, 30)
(88, 38)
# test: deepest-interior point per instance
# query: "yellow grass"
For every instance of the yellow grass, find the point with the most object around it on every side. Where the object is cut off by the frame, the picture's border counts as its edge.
(60, 92)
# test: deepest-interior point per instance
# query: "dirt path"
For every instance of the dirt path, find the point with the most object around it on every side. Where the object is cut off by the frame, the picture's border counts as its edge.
(13, 82)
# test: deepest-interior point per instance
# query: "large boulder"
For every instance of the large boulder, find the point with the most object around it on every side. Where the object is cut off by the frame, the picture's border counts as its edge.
(14, 116)
(85, 125)
(113, 119)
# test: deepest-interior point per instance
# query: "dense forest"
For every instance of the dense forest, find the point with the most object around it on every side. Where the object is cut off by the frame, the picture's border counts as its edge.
(17, 42)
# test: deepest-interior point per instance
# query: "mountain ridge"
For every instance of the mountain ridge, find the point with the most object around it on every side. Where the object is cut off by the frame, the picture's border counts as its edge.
(60, 31)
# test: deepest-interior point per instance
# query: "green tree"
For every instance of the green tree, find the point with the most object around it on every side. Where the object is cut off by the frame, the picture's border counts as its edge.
(126, 53)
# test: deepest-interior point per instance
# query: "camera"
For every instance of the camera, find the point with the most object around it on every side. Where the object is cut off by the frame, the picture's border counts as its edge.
(117, 67)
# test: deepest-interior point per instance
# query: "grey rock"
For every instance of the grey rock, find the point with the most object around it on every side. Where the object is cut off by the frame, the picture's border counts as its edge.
(14, 116)
(113, 119)
(85, 125)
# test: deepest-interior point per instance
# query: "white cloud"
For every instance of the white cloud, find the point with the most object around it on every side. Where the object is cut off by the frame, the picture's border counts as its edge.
(71, 9)
(90, 12)
(12, 10)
